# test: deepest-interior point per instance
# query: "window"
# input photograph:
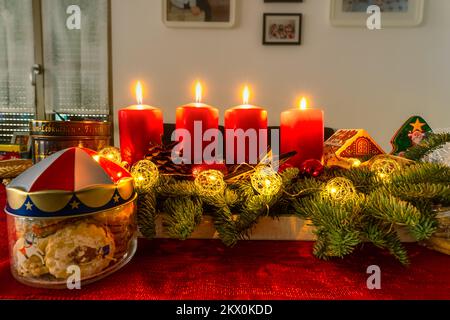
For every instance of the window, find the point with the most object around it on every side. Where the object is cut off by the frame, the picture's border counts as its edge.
(17, 96)
(74, 60)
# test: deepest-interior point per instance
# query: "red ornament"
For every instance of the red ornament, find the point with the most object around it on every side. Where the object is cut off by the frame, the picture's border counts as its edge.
(312, 167)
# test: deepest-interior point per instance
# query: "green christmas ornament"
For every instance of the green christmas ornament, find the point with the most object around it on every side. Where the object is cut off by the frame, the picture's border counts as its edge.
(410, 134)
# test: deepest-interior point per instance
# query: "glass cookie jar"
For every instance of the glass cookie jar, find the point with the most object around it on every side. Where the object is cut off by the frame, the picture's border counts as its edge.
(71, 226)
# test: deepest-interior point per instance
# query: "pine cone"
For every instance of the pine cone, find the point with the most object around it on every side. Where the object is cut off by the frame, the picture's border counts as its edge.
(162, 157)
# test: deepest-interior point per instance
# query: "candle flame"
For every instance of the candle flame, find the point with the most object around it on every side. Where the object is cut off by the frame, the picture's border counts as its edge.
(303, 104)
(139, 95)
(198, 92)
(246, 95)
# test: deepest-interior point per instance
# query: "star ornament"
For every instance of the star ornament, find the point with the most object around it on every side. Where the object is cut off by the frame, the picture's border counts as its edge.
(116, 198)
(74, 204)
(417, 126)
(29, 206)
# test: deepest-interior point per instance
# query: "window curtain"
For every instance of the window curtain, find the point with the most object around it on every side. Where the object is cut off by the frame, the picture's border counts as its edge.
(17, 95)
(76, 61)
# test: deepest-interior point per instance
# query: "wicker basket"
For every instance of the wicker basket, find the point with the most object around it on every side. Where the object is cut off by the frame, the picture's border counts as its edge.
(10, 169)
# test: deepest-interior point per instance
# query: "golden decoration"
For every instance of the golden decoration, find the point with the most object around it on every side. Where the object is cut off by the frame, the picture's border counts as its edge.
(112, 154)
(266, 181)
(339, 189)
(210, 182)
(417, 126)
(145, 174)
(384, 167)
(10, 169)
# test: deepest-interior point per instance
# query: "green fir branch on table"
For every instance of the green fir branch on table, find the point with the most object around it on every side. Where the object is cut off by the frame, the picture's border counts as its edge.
(178, 189)
(183, 216)
(427, 146)
(393, 210)
(384, 236)
(406, 198)
(363, 178)
(422, 173)
(147, 214)
(422, 191)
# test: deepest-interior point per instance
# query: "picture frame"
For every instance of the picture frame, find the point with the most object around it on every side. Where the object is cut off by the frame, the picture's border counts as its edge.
(282, 28)
(353, 13)
(209, 14)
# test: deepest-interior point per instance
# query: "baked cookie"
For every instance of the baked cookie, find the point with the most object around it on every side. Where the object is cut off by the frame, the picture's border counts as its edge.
(122, 224)
(40, 228)
(85, 245)
(29, 253)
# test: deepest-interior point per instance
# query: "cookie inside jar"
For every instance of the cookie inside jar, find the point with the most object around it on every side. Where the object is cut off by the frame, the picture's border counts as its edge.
(82, 233)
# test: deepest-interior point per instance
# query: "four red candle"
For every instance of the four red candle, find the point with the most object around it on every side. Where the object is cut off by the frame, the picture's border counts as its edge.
(302, 130)
(206, 117)
(140, 126)
(247, 117)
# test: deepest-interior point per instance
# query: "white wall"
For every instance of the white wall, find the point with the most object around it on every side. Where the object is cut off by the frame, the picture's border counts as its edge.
(362, 79)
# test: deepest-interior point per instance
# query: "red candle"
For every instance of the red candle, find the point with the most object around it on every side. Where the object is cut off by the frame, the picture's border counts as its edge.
(140, 126)
(252, 121)
(302, 130)
(197, 118)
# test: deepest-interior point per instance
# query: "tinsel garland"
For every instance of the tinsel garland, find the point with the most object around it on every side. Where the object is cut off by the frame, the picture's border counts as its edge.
(347, 206)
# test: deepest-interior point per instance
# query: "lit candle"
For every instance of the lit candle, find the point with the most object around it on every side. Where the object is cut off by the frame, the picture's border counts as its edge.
(197, 118)
(250, 120)
(140, 126)
(302, 130)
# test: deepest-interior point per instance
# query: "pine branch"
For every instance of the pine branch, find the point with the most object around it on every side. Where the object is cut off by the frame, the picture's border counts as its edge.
(423, 173)
(421, 191)
(363, 178)
(177, 189)
(225, 224)
(383, 236)
(183, 215)
(392, 210)
(425, 228)
(427, 146)
(147, 214)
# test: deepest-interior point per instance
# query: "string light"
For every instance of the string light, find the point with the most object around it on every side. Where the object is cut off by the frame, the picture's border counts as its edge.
(210, 182)
(145, 174)
(112, 154)
(384, 167)
(339, 189)
(266, 181)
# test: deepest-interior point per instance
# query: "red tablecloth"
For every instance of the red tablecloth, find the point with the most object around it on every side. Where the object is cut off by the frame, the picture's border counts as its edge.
(170, 269)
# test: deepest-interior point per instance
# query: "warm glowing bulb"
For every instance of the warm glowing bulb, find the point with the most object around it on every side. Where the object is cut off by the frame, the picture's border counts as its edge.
(139, 95)
(303, 104)
(198, 92)
(96, 158)
(246, 95)
(333, 190)
(119, 175)
(356, 163)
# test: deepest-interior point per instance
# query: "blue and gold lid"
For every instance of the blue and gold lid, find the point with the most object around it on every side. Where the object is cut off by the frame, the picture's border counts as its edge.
(72, 182)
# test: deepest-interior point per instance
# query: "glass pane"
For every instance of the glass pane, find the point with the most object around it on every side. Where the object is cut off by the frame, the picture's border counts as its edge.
(76, 60)
(16, 56)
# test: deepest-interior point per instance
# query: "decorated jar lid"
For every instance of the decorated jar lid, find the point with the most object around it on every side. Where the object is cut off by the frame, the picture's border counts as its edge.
(72, 182)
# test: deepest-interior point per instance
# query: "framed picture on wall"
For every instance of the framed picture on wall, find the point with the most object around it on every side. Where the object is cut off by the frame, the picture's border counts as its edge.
(282, 29)
(199, 13)
(394, 13)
